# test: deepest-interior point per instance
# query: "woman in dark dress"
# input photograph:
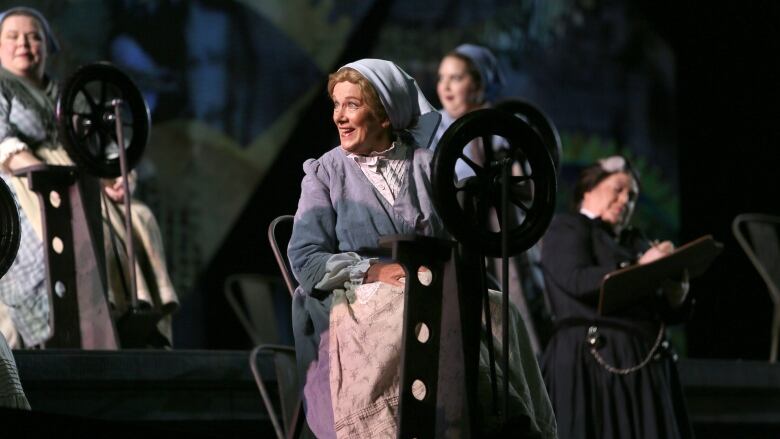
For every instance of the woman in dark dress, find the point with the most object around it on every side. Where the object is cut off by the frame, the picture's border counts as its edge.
(609, 376)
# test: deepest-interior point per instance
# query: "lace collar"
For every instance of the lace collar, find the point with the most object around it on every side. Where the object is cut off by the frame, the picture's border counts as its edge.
(395, 152)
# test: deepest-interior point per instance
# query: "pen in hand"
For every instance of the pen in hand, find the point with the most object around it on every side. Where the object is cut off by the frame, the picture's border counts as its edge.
(657, 250)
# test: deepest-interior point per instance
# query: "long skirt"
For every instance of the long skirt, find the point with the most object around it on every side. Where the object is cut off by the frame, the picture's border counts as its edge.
(363, 352)
(592, 403)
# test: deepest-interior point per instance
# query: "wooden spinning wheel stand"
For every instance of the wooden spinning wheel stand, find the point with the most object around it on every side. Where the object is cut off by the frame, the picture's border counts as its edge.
(444, 374)
(97, 107)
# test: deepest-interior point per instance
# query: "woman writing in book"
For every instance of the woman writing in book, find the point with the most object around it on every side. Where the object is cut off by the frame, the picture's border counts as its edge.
(609, 376)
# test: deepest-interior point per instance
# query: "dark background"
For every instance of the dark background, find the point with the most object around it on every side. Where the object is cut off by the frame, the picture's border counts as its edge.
(728, 135)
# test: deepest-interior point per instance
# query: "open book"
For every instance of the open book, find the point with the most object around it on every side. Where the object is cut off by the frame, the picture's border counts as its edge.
(628, 285)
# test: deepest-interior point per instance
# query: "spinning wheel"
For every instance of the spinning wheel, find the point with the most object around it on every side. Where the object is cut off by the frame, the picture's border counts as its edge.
(104, 124)
(540, 122)
(465, 205)
(87, 120)
(10, 232)
(515, 194)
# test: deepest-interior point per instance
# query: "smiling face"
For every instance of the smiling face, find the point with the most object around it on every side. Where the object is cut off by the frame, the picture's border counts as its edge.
(22, 47)
(613, 198)
(360, 130)
(457, 87)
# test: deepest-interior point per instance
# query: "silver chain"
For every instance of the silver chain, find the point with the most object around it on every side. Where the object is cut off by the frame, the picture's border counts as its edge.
(592, 340)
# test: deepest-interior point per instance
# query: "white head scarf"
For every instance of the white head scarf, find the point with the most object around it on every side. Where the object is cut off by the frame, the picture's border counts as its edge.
(404, 103)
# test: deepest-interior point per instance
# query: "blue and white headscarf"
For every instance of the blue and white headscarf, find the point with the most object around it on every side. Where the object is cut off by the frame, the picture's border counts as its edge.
(489, 70)
(404, 103)
(52, 45)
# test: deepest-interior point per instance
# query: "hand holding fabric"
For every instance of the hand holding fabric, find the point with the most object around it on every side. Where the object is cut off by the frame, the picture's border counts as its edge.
(22, 159)
(394, 274)
(389, 273)
(114, 189)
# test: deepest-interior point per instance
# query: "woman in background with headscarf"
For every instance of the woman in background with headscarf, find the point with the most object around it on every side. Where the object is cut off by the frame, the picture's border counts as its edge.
(348, 310)
(470, 78)
(28, 136)
(26, 122)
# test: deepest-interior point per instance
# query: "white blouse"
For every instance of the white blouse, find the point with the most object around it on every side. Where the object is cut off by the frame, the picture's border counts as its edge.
(384, 169)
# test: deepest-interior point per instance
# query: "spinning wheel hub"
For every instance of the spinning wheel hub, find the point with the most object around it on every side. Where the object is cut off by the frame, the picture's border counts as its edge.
(466, 206)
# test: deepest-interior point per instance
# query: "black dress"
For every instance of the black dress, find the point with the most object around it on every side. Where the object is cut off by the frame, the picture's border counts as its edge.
(589, 400)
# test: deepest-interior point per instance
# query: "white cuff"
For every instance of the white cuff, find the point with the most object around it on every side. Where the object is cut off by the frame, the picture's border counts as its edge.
(343, 270)
(9, 147)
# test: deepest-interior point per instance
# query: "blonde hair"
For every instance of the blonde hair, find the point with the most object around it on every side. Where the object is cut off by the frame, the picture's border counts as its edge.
(368, 91)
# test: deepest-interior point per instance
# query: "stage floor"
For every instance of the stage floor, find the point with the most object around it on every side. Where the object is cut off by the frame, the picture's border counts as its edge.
(208, 393)
(212, 393)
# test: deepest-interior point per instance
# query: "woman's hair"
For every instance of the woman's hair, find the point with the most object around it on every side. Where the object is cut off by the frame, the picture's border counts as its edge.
(473, 71)
(594, 174)
(370, 95)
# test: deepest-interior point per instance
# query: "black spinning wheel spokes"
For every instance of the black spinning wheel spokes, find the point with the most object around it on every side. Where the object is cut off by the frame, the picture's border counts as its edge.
(473, 165)
(539, 121)
(86, 120)
(10, 230)
(466, 205)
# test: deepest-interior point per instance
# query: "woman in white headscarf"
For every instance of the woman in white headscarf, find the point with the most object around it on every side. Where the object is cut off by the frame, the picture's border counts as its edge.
(348, 310)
